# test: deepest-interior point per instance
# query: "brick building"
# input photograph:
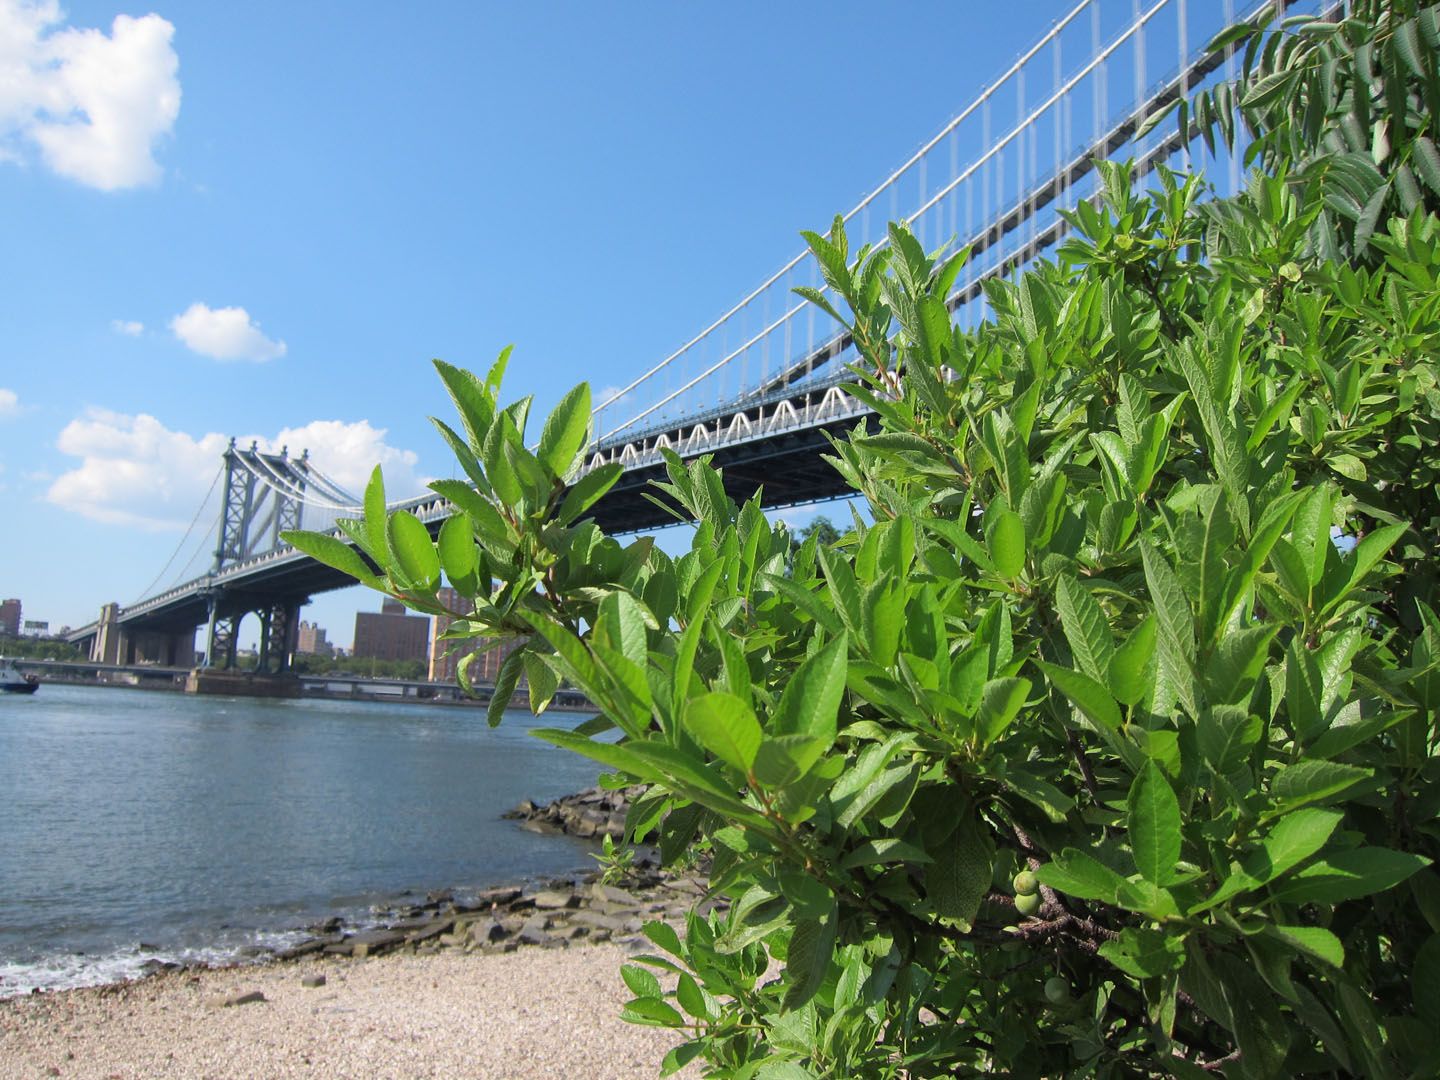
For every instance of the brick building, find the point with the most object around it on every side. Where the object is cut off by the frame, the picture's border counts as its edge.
(391, 634)
(311, 639)
(10, 617)
(445, 666)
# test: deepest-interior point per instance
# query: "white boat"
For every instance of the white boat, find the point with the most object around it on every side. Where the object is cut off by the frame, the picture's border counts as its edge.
(13, 681)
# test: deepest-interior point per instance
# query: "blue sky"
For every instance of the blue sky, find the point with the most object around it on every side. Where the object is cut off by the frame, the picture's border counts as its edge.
(263, 220)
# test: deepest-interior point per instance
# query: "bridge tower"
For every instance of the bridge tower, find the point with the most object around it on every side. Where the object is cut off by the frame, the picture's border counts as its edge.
(264, 496)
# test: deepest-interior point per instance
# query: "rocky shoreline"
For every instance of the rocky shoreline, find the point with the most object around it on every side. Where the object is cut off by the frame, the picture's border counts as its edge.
(584, 907)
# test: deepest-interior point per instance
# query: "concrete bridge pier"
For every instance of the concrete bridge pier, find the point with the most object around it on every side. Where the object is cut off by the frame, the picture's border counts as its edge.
(109, 642)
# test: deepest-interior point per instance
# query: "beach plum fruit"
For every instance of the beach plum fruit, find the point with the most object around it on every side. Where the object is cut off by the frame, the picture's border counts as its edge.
(1027, 903)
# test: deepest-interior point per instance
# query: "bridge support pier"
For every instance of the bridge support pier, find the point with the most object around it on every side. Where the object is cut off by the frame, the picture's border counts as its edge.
(220, 634)
(279, 634)
(110, 644)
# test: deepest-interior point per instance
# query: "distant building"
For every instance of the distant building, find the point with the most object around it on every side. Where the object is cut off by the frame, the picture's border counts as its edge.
(311, 639)
(10, 617)
(391, 634)
(37, 627)
(445, 664)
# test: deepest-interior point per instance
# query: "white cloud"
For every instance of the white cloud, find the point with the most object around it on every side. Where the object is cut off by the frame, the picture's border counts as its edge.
(9, 403)
(134, 471)
(224, 334)
(93, 104)
(128, 327)
(348, 453)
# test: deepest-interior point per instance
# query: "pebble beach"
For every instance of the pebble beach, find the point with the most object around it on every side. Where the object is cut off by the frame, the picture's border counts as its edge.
(465, 1016)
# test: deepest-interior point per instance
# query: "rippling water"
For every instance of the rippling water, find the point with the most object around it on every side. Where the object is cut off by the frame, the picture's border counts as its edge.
(198, 825)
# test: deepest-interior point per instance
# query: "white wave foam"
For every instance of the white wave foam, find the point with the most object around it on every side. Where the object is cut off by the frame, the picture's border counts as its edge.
(69, 971)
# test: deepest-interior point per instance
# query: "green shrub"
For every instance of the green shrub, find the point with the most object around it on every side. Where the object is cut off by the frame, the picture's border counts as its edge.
(1146, 611)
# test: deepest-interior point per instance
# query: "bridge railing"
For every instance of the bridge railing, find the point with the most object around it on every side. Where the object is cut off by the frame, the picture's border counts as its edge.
(996, 177)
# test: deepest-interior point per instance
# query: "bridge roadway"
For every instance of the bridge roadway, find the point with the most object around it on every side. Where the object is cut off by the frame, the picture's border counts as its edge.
(774, 445)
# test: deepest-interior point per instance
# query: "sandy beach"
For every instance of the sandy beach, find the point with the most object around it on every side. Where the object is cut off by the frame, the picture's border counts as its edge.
(530, 1013)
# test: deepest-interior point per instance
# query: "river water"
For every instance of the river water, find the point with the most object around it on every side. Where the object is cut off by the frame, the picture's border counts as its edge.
(139, 825)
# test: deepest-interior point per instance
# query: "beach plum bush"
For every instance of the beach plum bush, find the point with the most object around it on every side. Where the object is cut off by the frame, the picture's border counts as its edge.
(1139, 629)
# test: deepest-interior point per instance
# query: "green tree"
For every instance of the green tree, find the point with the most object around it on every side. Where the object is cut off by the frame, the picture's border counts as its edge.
(821, 527)
(1095, 755)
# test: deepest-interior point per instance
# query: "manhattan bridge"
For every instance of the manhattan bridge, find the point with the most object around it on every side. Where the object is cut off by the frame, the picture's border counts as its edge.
(760, 387)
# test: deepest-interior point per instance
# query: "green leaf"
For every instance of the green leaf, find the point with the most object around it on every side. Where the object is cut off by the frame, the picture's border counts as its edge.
(564, 432)
(1176, 621)
(641, 981)
(884, 850)
(334, 553)
(487, 520)
(810, 703)
(1086, 694)
(506, 679)
(1079, 874)
(1294, 838)
(1316, 941)
(1145, 953)
(1154, 825)
(473, 400)
(651, 1012)
(783, 1070)
(541, 680)
(1425, 981)
(1086, 628)
(588, 490)
(1226, 734)
(812, 944)
(1311, 781)
(692, 999)
(664, 935)
(412, 552)
(1053, 802)
(1131, 672)
(456, 549)
(375, 519)
(1000, 701)
(960, 876)
(1349, 875)
(1005, 541)
(1230, 36)
(726, 726)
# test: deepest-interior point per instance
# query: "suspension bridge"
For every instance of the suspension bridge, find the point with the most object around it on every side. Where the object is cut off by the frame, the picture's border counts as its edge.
(761, 387)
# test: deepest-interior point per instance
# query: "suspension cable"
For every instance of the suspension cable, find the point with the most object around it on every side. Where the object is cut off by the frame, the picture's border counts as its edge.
(203, 503)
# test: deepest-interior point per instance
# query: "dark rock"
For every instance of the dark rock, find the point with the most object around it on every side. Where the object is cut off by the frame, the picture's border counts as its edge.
(430, 931)
(488, 930)
(596, 920)
(247, 998)
(533, 932)
(612, 894)
(500, 897)
(313, 980)
(305, 948)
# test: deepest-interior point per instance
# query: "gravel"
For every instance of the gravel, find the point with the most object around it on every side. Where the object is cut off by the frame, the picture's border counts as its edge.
(527, 1014)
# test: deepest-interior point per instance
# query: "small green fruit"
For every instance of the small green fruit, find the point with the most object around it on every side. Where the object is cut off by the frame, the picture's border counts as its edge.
(1057, 990)
(1025, 883)
(1027, 903)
